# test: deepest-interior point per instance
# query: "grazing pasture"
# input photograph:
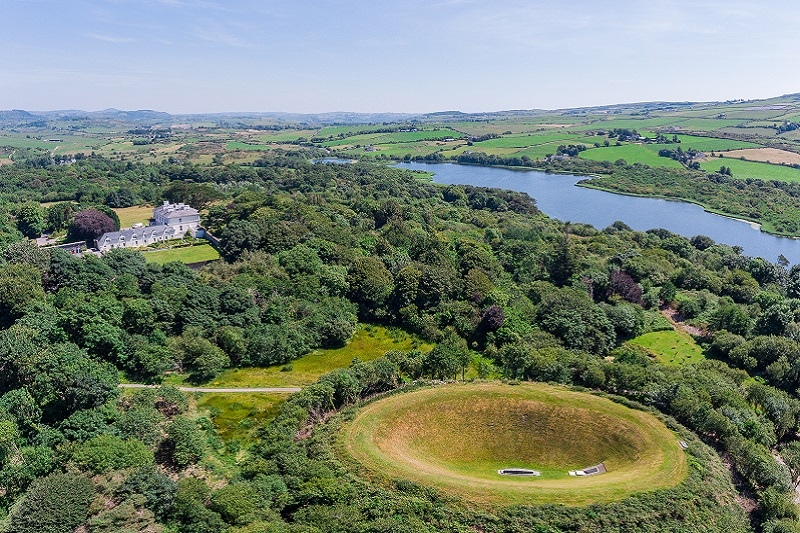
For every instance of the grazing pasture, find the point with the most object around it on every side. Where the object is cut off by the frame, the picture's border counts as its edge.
(752, 169)
(456, 437)
(631, 153)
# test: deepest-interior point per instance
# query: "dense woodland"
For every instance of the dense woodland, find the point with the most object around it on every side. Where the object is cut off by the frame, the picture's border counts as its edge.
(310, 251)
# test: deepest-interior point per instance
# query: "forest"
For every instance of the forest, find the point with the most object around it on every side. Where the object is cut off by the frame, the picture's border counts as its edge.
(311, 253)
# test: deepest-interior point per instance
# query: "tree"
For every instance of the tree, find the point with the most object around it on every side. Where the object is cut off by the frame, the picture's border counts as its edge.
(20, 284)
(198, 195)
(186, 442)
(30, 220)
(237, 237)
(90, 224)
(790, 453)
(59, 215)
(371, 284)
(120, 198)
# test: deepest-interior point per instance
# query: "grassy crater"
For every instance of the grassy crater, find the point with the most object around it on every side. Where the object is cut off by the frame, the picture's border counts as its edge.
(456, 437)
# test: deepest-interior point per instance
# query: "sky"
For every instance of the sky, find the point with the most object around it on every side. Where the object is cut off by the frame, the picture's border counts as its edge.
(202, 56)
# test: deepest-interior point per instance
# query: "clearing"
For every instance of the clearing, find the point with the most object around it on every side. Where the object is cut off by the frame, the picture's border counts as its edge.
(671, 347)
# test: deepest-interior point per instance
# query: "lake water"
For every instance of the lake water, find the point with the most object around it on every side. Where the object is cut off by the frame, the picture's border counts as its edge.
(558, 197)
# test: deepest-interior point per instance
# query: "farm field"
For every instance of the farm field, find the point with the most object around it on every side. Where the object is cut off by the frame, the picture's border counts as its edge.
(188, 255)
(766, 155)
(673, 348)
(456, 437)
(752, 169)
(708, 144)
(631, 153)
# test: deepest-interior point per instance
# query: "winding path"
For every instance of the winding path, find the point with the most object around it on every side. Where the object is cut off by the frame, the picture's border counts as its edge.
(285, 390)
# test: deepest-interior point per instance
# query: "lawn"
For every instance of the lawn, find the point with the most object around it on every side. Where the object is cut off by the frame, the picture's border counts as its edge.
(370, 342)
(188, 255)
(456, 437)
(139, 214)
(672, 347)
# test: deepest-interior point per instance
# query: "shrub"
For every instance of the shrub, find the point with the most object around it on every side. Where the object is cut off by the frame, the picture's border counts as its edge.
(57, 503)
(107, 452)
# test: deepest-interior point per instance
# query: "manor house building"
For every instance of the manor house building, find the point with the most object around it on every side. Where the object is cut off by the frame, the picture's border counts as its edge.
(170, 221)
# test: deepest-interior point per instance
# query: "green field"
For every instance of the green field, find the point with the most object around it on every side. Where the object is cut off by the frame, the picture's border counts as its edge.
(708, 144)
(631, 153)
(752, 169)
(369, 342)
(188, 255)
(456, 437)
(671, 347)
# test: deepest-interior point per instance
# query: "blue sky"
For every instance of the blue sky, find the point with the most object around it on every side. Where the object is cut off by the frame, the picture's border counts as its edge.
(192, 56)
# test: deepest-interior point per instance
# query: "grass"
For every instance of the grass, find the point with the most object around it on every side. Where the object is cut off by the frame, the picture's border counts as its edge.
(673, 348)
(139, 214)
(370, 342)
(188, 255)
(631, 153)
(707, 144)
(752, 169)
(237, 417)
(455, 437)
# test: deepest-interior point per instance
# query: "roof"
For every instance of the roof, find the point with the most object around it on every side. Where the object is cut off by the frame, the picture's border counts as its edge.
(168, 210)
(139, 234)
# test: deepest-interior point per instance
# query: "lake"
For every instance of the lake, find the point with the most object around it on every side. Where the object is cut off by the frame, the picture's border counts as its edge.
(559, 197)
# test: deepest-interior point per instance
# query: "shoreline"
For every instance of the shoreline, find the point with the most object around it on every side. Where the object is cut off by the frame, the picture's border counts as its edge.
(587, 184)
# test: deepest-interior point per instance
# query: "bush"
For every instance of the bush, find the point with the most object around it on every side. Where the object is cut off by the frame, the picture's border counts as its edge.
(107, 452)
(57, 503)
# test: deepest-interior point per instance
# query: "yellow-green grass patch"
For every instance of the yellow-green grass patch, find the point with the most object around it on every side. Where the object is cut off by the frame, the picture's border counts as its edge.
(368, 343)
(456, 437)
(671, 347)
(138, 214)
(238, 416)
(187, 254)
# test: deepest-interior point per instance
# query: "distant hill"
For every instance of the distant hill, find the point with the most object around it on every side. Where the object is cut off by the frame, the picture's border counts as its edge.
(147, 117)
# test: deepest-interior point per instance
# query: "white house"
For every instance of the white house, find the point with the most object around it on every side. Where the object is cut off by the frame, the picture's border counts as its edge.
(180, 216)
(170, 221)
